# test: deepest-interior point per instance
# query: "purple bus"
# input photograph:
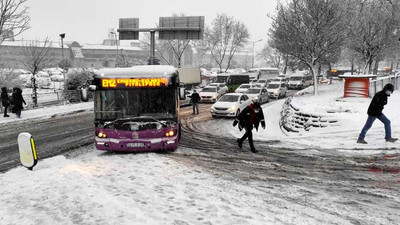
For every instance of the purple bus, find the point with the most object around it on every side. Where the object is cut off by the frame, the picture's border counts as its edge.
(137, 108)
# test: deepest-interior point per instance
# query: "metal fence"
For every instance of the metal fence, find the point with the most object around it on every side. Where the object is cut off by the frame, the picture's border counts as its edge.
(378, 84)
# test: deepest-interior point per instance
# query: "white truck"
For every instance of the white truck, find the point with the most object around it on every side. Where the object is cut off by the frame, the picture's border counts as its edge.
(189, 76)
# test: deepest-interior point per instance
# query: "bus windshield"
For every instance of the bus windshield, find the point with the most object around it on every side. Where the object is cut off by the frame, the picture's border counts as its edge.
(116, 104)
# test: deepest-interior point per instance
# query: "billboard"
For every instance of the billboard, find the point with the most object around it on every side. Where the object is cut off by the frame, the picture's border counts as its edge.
(181, 28)
(128, 23)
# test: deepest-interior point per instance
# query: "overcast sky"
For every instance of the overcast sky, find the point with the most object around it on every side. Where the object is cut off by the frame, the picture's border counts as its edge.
(88, 21)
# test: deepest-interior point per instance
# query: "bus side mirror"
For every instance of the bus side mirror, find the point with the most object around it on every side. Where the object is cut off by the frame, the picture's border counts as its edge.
(92, 87)
(182, 93)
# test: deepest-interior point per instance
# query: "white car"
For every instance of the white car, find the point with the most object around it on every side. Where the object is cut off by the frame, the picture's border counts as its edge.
(258, 95)
(280, 80)
(222, 88)
(243, 88)
(262, 82)
(230, 105)
(210, 94)
(277, 90)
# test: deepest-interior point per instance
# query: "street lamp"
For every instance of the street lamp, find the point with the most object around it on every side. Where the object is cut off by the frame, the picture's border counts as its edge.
(254, 42)
(62, 36)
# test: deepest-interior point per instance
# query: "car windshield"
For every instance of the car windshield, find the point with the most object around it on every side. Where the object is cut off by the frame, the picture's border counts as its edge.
(253, 91)
(209, 89)
(257, 85)
(245, 86)
(229, 98)
(273, 86)
(277, 79)
(213, 84)
(296, 78)
(262, 81)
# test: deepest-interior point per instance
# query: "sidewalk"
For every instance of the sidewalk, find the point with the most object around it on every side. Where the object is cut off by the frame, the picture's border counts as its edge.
(48, 111)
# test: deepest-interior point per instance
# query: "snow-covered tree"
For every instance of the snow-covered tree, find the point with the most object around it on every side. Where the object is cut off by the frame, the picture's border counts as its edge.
(14, 18)
(309, 31)
(225, 37)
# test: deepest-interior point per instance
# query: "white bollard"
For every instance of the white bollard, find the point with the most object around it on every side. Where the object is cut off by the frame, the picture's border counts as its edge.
(27, 150)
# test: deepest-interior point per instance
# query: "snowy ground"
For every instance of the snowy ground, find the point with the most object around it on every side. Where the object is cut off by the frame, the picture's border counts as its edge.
(94, 187)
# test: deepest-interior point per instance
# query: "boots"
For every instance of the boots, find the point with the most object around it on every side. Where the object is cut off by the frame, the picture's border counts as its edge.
(391, 139)
(239, 143)
(361, 141)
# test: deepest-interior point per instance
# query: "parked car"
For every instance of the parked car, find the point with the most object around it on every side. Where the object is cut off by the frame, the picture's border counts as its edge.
(276, 90)
(221, 86)
(210, 94)
(258, 95)
(230, 105)
(243, 88)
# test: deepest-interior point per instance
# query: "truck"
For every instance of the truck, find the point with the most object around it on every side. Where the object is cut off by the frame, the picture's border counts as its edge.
(189, 76)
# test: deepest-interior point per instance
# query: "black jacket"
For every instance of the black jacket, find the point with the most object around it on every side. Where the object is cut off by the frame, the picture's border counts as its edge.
(244, 118)
(5, 99)
(195, 97)
(377, 103)
(18, 100)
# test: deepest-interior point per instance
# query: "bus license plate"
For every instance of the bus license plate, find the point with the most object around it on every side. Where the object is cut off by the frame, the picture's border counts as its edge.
(134, 145)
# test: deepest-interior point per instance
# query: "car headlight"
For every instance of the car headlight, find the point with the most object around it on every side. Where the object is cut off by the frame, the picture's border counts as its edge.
(212, 107)
(214, 96)
(255, 98)
(233, 108)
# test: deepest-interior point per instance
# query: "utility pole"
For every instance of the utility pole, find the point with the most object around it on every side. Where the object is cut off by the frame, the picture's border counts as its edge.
(254, 42)
(62, 36)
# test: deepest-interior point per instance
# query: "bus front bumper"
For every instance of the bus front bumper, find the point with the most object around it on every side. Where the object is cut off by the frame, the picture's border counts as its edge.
(132, 145)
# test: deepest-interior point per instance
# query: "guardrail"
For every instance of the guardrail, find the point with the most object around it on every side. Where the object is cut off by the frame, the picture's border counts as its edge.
(377, 85)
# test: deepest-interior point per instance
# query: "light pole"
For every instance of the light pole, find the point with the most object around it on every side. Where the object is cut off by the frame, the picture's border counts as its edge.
(254, 42)
(62, 36)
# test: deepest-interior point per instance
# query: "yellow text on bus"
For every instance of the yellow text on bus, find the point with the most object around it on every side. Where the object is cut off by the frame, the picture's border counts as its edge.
(134, 82)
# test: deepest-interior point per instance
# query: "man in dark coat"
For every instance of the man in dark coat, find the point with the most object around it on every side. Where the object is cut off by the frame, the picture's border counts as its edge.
(195, 97)
(375, 112)
(251, 116)
(5, 100)
(18, 100)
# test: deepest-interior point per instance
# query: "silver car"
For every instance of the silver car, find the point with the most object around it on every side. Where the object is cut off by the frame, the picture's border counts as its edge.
(258, 95)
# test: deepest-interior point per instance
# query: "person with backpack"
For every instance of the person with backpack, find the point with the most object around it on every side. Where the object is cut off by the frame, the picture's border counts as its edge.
(250, 117)
(375, 112)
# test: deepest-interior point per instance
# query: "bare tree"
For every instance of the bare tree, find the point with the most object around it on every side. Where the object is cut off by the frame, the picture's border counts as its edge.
(201, 49)
(373, 29)
(14, 18)
(225, 37)
(309, 30)
(271, 56)
(37, 55)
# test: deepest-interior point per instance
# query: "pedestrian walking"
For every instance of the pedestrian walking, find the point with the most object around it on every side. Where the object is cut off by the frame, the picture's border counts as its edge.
(17, 101)
(195, 98)
(375, 112)
(5, 100)
(250, 117)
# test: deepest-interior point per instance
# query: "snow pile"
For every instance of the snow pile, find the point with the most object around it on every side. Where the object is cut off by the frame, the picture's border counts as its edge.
(350, 114)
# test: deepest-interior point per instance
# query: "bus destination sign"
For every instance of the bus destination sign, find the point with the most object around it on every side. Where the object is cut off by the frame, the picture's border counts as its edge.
(133, 82)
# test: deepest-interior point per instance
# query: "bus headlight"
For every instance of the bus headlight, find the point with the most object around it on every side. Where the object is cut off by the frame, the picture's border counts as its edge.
(101, 135)
(170, 133)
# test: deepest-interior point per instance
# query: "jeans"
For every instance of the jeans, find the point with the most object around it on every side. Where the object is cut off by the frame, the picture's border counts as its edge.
(196, 108)
(370, 121)
(249, 135)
